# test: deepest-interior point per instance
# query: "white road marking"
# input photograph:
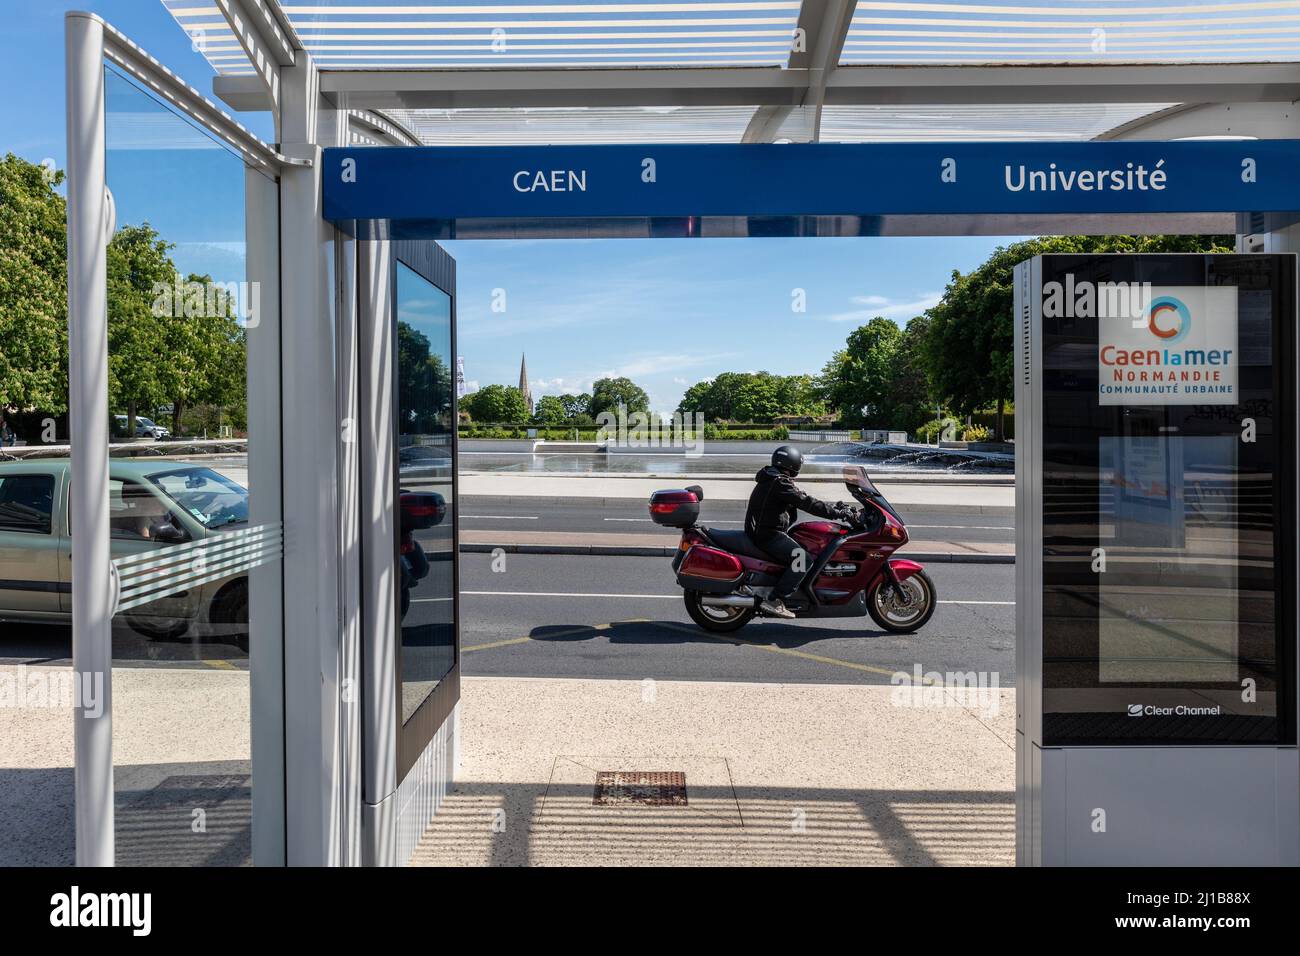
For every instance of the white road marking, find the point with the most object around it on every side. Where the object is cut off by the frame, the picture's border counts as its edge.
(967, 527)
(505, 517)
(569, 594)
(647, 519)
(667, 597)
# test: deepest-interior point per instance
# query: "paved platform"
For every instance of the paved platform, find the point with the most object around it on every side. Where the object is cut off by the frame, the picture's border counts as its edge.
(181, 765)
(775, 775)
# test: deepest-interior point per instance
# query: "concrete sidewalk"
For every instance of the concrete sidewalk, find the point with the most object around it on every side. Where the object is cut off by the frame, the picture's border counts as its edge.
(664, 544)
(774, 774)
(180, 743)
(969, 495)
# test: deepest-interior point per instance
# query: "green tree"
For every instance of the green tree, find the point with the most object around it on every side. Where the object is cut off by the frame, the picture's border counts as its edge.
(607, 394)
(146, 355)
(859, 378)
(500, 404)
(204, 347)
(969, 352)
(799, 395)
(33, 288)
(752, 397)
(423, 382)
(160, 349)
(576, 405)
(697, 399)
(758, 398)
(550, 410)
(912, 393)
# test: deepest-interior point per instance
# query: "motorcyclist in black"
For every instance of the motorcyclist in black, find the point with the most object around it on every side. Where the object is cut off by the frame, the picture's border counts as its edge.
(773, 507)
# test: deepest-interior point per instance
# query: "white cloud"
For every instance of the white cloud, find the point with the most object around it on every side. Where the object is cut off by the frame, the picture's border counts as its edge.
(561, 386)
(871, 306)
(659, 364)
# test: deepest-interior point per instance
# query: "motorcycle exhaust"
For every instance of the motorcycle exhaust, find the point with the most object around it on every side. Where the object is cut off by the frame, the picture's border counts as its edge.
(729, 600)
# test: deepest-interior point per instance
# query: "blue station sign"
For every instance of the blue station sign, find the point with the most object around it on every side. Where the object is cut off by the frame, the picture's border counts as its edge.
(446, 185)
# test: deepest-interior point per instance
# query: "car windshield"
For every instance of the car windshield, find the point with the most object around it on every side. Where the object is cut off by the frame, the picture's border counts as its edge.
(210, 498)
(146, 421)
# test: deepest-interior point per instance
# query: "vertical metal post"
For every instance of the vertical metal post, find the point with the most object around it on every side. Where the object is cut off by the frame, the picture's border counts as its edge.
(266, 585)
(92, 638)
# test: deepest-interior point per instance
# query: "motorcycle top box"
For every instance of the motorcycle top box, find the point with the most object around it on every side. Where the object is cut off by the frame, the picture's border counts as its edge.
(676, 508)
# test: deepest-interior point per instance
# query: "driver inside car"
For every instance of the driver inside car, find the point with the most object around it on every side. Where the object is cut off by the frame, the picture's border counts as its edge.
(773, 507)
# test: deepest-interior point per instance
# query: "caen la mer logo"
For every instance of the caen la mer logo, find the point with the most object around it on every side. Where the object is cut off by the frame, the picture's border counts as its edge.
(1180, 350)
(1168, 319)
(75, 908)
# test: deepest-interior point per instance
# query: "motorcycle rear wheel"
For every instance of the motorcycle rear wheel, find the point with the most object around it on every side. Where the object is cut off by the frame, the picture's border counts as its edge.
(905, 612)
(717, 620)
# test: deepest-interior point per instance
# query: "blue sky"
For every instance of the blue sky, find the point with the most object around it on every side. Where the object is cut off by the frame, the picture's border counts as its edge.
(666, 313)
(670, 312)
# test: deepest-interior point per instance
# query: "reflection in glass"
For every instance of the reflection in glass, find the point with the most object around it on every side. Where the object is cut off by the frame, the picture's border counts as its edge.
(179, 315)
(1169, 510)
(424, 469)
(1166, 536)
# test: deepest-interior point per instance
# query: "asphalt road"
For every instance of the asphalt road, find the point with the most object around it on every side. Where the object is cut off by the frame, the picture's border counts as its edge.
(585, 516)
(623, 617)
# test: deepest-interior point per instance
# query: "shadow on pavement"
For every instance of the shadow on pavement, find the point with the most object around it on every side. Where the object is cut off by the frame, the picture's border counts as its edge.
(52, 644)
(781, 826)
(787, 636)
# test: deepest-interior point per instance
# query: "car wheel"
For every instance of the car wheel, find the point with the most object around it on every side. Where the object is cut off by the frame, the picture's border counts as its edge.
(229, 612)
(158, 628)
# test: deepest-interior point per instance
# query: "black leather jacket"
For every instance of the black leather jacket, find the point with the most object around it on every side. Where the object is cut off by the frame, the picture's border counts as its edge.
(775, 502)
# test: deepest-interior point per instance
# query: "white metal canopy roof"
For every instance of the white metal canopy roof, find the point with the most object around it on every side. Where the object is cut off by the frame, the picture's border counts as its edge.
(464, 72)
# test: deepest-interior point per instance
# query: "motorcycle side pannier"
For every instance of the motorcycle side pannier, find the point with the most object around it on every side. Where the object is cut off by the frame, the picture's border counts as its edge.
(677, 508)
(709, 570)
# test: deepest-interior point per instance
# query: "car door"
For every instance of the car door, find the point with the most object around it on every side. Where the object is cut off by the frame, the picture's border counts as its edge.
(134, 511)
(30, 544)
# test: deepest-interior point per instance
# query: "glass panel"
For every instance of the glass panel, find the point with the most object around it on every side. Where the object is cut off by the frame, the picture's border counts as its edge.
(424, 466)
(412, 33)
(1170, 501)
(182, 312)
(1063, 31)
(1167, 524)
(26, 503)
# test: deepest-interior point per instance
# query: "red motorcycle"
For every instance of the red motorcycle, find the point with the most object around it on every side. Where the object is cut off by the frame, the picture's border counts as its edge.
(851, 568)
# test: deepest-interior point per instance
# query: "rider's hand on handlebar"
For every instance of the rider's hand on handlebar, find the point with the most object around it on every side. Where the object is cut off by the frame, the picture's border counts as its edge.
(851, 515)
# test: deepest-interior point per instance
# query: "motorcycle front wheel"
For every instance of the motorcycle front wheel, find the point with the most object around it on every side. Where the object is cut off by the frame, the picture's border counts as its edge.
(718, 620)
(905, 607)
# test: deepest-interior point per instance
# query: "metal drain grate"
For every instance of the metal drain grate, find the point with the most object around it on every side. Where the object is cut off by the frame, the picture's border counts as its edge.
(651, 788)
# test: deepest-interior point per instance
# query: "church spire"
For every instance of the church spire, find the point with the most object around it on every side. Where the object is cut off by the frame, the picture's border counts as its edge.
(523, 383)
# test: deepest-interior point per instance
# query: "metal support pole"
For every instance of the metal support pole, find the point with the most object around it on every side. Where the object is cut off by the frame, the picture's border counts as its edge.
(92, 644)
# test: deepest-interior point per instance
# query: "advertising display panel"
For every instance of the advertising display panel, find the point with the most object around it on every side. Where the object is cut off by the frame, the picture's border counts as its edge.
(1156, 521)
(1167, 529)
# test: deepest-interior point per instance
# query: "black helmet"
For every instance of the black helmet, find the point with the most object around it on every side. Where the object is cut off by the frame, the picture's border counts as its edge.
(788, 459)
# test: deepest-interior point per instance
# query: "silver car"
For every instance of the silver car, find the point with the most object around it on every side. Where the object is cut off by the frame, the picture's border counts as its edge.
(153, 504)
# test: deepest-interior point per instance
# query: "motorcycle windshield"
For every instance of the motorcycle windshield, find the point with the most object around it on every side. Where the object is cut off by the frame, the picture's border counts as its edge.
(864, 489)
(856, 477)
